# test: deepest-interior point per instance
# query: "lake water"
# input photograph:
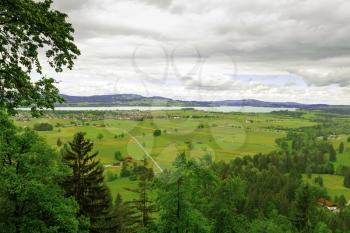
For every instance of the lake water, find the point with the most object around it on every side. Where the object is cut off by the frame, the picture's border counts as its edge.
(247, 109)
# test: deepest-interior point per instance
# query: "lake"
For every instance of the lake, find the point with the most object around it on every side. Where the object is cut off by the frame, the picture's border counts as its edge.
(246, 109)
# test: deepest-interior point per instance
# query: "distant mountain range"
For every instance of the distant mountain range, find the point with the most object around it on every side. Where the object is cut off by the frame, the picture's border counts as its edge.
(138, 100)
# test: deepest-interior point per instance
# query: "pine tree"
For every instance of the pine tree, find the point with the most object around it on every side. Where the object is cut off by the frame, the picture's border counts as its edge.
(341, 147)
(59, 142)
(143, 206)
(347, 178)
(341, 202)
(86, 184)
(177, 212)
(124, 216)
(303, 206)
(332, 154)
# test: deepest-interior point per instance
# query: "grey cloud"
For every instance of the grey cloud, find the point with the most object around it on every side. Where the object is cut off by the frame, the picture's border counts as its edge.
(339, 76)
(310, 38)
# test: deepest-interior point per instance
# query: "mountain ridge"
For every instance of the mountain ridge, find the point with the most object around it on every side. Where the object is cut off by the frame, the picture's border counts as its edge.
(139, 100)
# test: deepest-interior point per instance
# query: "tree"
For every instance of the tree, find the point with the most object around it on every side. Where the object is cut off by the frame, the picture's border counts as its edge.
(321, 228)
(118, 156)
(341, 147)
(31, 199)
(341, 202)
(259, 226)
(27, 26)
(143, 205)
(347, 178)
(177, 212)
(86, 183)
(319, 180)
(43, 127)
(348, 140)
(303, 208)
(157, 133)
(332, 154)
(125, 172)
(228, 197)
(124, 216)
(59, 142)
(100, 136)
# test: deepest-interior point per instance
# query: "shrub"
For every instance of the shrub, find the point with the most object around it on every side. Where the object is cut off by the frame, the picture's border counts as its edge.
(118, 156)
(111, 176)
(43, 127)
(100, 136)
(318, 180)
(157, 133)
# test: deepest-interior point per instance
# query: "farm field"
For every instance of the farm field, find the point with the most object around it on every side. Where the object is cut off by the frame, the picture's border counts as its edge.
(333, 184)
(224, 136)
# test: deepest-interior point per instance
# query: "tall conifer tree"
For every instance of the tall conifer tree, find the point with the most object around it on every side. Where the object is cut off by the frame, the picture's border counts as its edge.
(86, 183)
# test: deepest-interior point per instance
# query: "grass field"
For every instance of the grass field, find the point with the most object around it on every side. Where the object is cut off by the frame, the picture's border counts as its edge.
(222, 135)
(225, 136)
(333, 184)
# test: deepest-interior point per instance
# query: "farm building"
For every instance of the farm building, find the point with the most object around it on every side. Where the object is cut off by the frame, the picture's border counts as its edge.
(328, 204)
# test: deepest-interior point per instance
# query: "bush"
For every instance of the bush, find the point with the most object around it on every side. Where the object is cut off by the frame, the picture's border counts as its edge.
(347, 178)
(318, 180)
(43, 127)
(341, 147)
(59, 142)
(125, 172)
(157, 133)
(100, 136)
(111, 176)
(118, 156)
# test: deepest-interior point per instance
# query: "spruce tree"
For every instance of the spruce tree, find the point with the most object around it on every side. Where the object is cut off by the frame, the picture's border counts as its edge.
(332, 154)
(86, 183)
(124, 216)
(347, 178)
(341, 148)
(303, 207)
(177, 212)
(59, 142)
(143, 205)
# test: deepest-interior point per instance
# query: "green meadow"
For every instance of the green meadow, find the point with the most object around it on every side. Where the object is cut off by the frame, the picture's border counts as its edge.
(224, 136)
(333, 184)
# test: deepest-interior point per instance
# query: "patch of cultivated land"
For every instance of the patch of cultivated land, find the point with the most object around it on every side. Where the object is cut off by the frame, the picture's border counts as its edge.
(333, 184)
(222, 135)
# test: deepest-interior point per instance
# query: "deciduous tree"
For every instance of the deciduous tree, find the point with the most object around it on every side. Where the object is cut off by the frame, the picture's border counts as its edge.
(27, 26)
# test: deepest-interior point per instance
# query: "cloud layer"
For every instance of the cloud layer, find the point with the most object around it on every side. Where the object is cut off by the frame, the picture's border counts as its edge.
(292, 50)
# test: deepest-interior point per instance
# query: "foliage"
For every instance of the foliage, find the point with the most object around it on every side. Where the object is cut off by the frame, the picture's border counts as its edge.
(27, 26)
(43, 127)
(86, 183)
(332, 154)
(177, 212)
(118, 156)
(99, 136)
(30, 198)
(319, 180)
(347, 178)
(143, 206)
(341, 147)
(303, 207)
(157, 132)
(59, 142)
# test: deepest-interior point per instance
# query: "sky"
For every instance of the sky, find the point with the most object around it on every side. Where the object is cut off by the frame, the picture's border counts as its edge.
(286, 50)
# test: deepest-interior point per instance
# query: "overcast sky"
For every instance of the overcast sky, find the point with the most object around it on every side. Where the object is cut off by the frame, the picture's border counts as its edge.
(286, 50)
